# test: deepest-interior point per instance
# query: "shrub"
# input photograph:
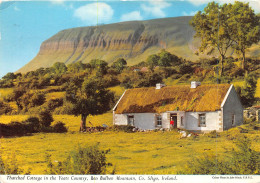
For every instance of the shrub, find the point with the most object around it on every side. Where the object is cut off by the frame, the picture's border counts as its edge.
(45, 118)
(205, 165)
(243, 161)
(12, 129)
(32, 123)
(5, 108)
(54, 103)
(185, 68)
(29, 100)
(59, 127)
(87, 160)
(67, 108)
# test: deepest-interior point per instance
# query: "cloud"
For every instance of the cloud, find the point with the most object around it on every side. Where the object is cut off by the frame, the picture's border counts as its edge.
(192, 13)
(94, 13)
(57, 1)
(134, 15)
(255, 4)
(155, 8)
(199, 2)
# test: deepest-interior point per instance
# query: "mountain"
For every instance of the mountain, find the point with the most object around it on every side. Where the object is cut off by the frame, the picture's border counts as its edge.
(133, 40)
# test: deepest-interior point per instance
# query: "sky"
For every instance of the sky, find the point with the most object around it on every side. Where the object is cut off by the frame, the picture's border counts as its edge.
(24, 25)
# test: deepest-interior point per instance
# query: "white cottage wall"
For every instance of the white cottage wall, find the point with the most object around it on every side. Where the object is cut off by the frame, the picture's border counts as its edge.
(232, 106)
(192, 121)
(120, 119)
(141, 120)
(165, 120)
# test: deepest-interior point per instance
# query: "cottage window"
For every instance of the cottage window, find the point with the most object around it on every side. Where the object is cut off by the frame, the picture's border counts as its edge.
(158, 120)
(233, 119)
(130, 120)
(202, 120)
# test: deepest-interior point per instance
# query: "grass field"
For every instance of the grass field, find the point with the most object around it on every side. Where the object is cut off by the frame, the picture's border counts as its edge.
(55, 95)
(5, 92)
(131, 153)
(118, 90)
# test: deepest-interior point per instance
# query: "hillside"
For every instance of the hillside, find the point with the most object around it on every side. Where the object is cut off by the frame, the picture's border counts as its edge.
(133, 40)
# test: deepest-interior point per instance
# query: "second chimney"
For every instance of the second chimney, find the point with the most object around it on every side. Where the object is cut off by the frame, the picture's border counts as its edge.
(159, 86)
(195, 84)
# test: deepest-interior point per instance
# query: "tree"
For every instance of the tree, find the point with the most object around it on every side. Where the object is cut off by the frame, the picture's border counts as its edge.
(76, 67)
(89, 98)
(212, 28)
(59, 68)
(167, 59)
(245, 27)
(247, 92)
(29, 100)
(119, 64)
(152, 61)
(100, 65)
(16, 96)
(9, 76)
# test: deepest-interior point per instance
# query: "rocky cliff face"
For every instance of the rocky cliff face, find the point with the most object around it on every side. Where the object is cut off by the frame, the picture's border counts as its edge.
(134, 41)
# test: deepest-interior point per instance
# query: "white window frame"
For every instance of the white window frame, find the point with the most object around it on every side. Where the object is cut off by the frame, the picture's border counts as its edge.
(157, 121)
(128, 120)
(202, 120)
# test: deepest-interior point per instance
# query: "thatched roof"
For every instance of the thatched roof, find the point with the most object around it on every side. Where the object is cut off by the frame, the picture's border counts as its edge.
(173, 98)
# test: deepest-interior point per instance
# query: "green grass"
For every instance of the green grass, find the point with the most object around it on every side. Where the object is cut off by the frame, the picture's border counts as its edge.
(54, 95)
(170, 82)
(118, 90)
(5, 119)
(131, 153)
(72, 122)
(238, 83)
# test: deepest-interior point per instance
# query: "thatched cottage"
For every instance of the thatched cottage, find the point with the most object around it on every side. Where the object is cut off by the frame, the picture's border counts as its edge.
(194, 107)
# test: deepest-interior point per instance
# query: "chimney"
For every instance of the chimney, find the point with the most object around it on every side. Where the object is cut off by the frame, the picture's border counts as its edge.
(159, 86)
(195, 84)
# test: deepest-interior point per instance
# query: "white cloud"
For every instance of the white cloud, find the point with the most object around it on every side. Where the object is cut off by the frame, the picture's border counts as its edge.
(155, 8)
(199, 2)
(192, 13)
(134, 15)
(94, 13)
(255, 4)
(57, 1)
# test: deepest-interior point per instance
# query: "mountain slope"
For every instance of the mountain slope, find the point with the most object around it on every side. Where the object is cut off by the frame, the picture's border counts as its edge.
(133, 40)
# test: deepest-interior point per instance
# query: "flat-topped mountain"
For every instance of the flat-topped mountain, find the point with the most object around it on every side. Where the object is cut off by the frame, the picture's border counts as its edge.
(133, 40)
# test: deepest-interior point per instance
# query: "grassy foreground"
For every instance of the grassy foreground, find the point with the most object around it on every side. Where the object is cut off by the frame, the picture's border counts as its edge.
(131, 153)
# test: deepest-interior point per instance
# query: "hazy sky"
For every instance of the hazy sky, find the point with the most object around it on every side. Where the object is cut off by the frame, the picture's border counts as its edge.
(24, 25)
